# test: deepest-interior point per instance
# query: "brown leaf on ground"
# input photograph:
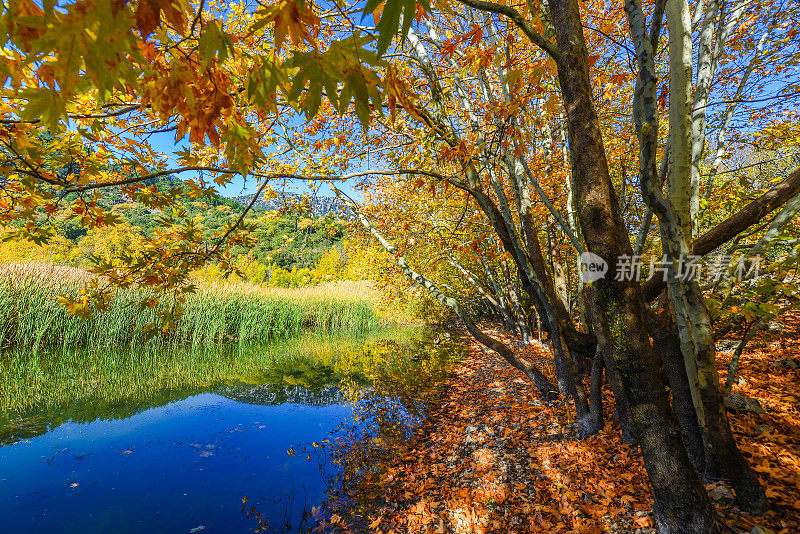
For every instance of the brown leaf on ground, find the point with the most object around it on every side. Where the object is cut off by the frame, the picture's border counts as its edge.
(492, 457)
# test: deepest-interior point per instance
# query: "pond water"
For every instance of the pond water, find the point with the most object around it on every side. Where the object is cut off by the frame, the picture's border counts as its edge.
(194, 441)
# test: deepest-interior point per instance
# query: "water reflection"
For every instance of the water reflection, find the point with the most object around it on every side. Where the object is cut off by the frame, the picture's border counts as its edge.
(406, 383)
(197, 441)
(41, 390)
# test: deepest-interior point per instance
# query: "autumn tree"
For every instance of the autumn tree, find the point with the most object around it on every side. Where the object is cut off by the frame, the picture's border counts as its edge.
(613, 302)
(563, 127)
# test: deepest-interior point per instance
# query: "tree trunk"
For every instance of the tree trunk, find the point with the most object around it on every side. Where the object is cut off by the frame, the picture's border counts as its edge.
(596, 391)
(691, 316)
(680, 184)
(665, 336)
(621, 410)
(774, 198)
(494, 305)
(546, 389)
(680, 501)
(749, 492)
(513, 296)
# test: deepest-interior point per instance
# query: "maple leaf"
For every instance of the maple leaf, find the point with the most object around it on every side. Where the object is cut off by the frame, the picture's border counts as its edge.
(265, 79)
(449, 48)
(399, 92)
(222, 179)
(23, 21)
(475, 35)
(619, 78)
(346, 62)
(46, 105)
(213, 43)
(289, 18)
(148, 16)
(390, 16)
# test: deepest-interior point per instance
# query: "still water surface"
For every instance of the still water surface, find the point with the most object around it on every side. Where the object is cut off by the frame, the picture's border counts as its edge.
(174, 443)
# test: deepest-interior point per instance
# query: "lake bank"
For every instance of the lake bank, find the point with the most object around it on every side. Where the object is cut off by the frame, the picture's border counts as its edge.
(492, 457)
(68, 381)
(176, 443)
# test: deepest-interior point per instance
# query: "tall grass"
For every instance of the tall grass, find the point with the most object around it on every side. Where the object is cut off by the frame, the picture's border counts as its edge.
(31, 317)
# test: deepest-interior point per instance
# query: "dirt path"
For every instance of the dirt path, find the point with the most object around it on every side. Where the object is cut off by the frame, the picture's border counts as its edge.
(493, 458)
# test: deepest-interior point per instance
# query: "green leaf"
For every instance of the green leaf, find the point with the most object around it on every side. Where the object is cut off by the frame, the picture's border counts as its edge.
(768, 309)
(87, 135)
(265, 79)
(313, 97)
(45, 105)
(346, 62)
(370, 6)
(213, 42)
(387, 26)
(410, 7)
(393, 10)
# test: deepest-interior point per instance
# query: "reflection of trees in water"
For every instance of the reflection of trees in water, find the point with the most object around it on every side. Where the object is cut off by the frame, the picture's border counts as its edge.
(391, 377)
(32, 423)
(407, 381)
(285, 502)
(392, 384)
(44, 390)
(270, 395)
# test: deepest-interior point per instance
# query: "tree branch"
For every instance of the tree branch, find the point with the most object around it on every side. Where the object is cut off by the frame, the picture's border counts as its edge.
(546, 389)
(551, 49)
(117, 113)
(739, 221)
(266, 176)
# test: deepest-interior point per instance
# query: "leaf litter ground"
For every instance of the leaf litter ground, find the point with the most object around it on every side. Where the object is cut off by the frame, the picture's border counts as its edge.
(492, 457)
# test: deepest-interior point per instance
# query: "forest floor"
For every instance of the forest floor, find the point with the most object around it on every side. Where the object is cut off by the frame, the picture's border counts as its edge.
(492, 457)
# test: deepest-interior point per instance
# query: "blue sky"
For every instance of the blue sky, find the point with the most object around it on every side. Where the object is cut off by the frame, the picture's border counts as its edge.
(165, 144)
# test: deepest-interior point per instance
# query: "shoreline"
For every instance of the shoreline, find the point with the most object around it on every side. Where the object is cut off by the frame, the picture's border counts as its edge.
(493, 457)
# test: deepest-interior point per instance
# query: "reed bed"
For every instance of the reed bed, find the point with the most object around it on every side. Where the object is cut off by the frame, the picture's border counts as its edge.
(31, 317)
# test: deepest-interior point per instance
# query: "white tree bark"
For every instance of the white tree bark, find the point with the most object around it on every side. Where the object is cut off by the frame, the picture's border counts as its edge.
(680, 112)
(709, 52)
(544, 386)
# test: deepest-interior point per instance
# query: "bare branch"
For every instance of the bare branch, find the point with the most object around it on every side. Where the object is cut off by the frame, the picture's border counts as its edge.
(551, 49)
(266, 176)
(109, 114)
